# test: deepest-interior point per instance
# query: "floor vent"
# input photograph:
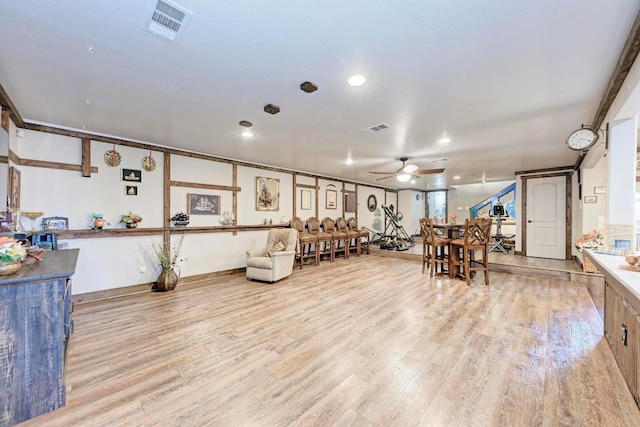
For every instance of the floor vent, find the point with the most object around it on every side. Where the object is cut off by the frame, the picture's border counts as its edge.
(376, 128)
(166, 19)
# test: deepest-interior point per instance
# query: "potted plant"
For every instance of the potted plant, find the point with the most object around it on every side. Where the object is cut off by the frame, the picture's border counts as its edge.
(131, 220)
(168, 278)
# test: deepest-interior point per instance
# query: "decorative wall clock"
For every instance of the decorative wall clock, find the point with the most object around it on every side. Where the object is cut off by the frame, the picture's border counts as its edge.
(112, 157)
(148, 162)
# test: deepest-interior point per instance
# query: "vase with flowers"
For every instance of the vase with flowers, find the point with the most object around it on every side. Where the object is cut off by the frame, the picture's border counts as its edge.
(131, 220)
(452, 218)
(168, 258)
(591, 240)
(11, 255)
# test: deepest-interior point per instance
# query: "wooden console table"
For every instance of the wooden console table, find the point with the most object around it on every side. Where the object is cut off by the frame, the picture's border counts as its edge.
(35, 326)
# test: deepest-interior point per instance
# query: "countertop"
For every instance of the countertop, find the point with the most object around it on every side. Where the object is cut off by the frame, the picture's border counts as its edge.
(54, 264)
(610, 264)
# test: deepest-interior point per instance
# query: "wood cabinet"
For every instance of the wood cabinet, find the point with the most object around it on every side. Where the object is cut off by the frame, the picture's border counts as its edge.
(35, 326)
(621, 329)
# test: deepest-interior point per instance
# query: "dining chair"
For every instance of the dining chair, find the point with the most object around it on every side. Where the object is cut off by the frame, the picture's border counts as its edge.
(477, 237)
(433, 248)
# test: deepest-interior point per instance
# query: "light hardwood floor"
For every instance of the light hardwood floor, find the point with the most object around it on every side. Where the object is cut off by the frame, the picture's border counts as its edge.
(358, 342)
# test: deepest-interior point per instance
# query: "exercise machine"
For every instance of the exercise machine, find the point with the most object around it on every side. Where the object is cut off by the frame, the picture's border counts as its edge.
(498, 239)
(394, 237)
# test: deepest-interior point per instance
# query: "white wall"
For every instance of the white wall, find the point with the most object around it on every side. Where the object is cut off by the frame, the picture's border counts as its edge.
(113, 262)
(411, 205)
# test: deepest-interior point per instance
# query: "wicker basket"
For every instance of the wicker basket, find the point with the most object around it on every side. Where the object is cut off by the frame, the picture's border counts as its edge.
(587, 265)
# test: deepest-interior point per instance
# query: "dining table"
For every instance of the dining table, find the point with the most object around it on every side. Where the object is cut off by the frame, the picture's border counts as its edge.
(452, 230)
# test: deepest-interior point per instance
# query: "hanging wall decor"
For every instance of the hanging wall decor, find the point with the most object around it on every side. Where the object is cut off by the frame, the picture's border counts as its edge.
(112, 157)
(267, 194)
(148, 162)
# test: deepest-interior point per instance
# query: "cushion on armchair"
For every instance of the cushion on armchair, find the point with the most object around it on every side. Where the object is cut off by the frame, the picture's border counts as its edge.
(278, 246)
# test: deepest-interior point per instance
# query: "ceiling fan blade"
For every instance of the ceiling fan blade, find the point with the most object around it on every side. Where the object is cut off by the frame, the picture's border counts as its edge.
(382, 173)
(386, 177)
(427, 171)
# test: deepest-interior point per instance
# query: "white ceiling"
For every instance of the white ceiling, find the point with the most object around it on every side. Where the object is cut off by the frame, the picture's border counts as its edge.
(506, 80)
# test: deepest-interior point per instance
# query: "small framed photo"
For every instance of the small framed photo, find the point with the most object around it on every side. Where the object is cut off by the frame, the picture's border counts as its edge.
(600, 190)
(332, 196)
(132, 175)
(55, 223)
(131, 190)
(590, 199)
(622, 244)
(305, 200)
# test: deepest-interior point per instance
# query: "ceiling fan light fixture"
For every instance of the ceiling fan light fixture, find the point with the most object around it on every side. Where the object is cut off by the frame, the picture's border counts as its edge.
(410, 168)
(357, 80)
(403, 177)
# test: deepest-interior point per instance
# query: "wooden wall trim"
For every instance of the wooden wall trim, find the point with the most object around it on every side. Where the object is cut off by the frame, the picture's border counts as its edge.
(4, 159)
(314, 187)
(4, 119)
(205, 186)
(86, 157)
(54, 165)
(5, 102)
(546, 175)
(166, 205)
(623, 66)
(544, 170)
(158, 231)
(14, 157)
(234, 196)
(179, 152)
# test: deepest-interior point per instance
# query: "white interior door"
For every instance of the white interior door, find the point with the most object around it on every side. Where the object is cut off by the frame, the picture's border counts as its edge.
(546, 217)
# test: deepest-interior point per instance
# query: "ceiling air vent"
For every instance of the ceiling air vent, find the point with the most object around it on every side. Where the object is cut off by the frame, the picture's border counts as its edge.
(166, 19)
(376, 128)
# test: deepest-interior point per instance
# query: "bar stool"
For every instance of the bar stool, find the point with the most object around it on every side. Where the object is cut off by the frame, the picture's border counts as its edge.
(477, 236)
(313, 225)
(433, 248)
(338, 236)
(341, 225)
(364, 234)
(305, 240)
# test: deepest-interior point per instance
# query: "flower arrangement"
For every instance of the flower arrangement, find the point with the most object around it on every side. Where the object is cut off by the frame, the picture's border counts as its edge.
(452, 218)
(591, 240)
(11, 250)
(168, 261)
(131, 218)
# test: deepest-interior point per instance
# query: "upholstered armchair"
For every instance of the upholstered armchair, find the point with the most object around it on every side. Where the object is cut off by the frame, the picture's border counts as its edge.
(275, 260)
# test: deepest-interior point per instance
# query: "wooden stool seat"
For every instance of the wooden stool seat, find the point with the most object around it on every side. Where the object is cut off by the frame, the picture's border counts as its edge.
(314, 228)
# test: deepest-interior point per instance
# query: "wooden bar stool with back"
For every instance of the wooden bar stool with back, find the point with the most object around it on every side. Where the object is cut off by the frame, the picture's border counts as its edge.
(477, 237)
(433, 248)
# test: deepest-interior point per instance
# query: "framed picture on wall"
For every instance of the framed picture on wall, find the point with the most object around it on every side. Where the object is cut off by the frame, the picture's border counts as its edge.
(132, 175)
(267, 194)
(203, 204)
(305, 200)
(332, 196)
(350, 202)
(131, 190)
(13, 188)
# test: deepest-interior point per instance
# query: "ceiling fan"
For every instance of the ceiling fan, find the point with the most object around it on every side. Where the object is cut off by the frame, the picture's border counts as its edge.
(406, 172)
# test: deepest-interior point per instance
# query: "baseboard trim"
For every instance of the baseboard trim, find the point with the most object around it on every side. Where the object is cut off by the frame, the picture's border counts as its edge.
(146, 287)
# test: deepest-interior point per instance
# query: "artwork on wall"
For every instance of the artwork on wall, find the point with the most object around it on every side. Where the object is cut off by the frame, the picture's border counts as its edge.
(112, 157)
(305, 200)
(13, 189)
(267, 194)
(131, 190)
(203, 204)
(55, 223)
(331, 199)
(132, 175)
(148, 162)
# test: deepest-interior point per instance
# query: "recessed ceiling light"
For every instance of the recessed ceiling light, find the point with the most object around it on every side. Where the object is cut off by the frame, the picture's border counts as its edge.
(91, 50)
(349, 161)
(456, 177)
(444, 140)
(247, 134)
(357, 80)
(88, 101)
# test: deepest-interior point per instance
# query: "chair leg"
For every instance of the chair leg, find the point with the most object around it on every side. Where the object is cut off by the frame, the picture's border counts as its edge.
(467, 265)
(432, 257)
(485, 259)
(424, 256)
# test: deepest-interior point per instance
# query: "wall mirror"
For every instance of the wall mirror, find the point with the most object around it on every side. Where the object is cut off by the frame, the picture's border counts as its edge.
(372, 203)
